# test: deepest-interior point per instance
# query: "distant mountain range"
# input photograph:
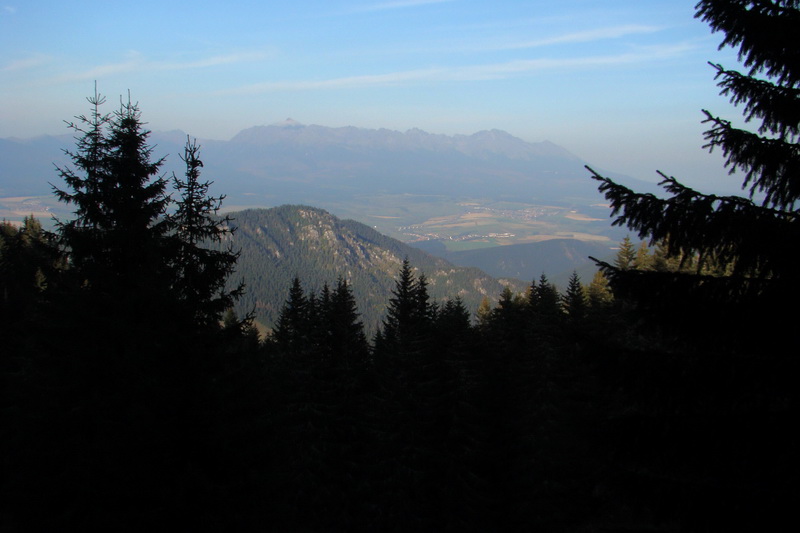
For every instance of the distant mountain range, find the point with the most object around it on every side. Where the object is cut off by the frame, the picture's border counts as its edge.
(291, 162)
(280, 243)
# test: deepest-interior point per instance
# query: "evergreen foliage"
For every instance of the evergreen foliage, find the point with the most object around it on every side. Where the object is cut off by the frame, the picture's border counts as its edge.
(130, 361)
(574, 300)
(739, 240)
(409, 314)
(626, 257)
(695, 341)
(29, 266)
(292, 330)
(201, 271)
(544, 301)
(598, 291)
(345, 338)
(116, 240)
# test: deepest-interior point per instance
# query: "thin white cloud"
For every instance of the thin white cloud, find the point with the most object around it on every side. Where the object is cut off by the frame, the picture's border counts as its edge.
(9, 9)
(470, 72)
(26, 63)
(398, 4)
(598, 34)
(368, 80)
(136, 62)
(213, 61)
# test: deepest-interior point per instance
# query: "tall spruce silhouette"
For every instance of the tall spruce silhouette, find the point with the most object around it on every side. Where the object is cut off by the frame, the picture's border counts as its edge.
(702, 443)
(122, 375)
(200, 271)
(116, 242)
(743, 237)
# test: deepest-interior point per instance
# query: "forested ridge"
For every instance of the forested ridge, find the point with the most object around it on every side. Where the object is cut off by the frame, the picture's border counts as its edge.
(659, 397)
(278, 244)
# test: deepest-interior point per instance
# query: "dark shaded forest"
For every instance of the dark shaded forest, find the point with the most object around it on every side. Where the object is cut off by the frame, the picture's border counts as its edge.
(658, 398)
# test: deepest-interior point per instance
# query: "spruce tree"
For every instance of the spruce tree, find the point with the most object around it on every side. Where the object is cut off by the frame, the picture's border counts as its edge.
(409, 315)
(484, 313)
(201, 265)
(707, 391)
(744, 237)
(117, 240)
(598, 293)
(574, 300)
(291, 334)
(626, 256)
(543, 300)
(643, 259)
(346, 340)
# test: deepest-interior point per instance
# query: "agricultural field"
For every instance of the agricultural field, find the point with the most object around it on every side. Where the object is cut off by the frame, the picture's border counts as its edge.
(467, 224)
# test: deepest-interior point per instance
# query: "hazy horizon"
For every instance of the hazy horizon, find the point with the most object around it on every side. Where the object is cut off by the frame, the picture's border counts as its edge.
(621, 85)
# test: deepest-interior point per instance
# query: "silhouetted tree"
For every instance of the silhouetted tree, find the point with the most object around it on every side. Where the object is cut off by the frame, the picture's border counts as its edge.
(574, 299)
(701, 382)
(122, 386)
(116, 242)
(200, 270)
(544, 301)
(345, 338)
(292, 333)
(744, 236)
(409, 314)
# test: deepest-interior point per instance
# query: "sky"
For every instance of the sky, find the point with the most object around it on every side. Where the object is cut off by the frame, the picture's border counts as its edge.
(620, 83)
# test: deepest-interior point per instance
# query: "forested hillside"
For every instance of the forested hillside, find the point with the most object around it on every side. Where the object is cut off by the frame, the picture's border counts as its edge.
(276, 245)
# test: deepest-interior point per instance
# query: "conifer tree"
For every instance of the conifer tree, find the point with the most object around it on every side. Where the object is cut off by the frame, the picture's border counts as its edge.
(643, 259)
(574, 300)
(117, 241)
(543, 299)
(291, 333)
(201, 270)
(409, 314)
(598, 292)
(484, 313)
(346, 339)
(745, 236)
(718, 337)
(626, 256)
(506, 324)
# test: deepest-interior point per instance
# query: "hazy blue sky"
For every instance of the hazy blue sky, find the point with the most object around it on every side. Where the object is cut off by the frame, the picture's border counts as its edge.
(618, 82)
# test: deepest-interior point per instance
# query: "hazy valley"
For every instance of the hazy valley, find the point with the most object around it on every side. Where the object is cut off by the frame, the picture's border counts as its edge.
(488, 199)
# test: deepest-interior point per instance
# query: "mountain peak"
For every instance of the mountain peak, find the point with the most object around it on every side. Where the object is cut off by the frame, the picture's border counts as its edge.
(288, 123)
